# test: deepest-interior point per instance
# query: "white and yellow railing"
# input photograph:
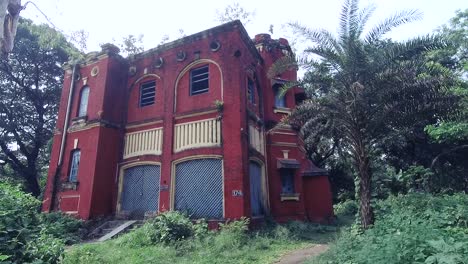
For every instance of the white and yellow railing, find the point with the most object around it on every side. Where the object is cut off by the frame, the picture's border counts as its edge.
(147, 142)
(197, 134)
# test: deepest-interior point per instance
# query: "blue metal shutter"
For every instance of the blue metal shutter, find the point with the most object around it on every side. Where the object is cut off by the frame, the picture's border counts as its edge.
(199, 188)
(140, 192)
(256, 203)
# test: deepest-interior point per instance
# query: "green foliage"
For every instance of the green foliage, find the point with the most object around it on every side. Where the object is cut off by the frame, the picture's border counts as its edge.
(232, 243)
(27, 235)
(414, 228)
(367, 93)
(348, 207)
(131, 45)
(417, 178)
(234, 12)
(31, 79)
(166, 228)
(62, 226)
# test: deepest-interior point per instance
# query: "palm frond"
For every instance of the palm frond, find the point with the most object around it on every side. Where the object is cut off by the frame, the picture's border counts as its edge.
(415, 47)
(328, 54)
(364, 16)
(353, 19)
(281, 65)
(392, 22)
(320, 37)
(344, 21)
(287, 86)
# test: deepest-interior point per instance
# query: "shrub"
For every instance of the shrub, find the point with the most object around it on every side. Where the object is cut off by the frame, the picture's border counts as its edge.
(414, 228)
(26, 235)
(348, 207)
(168, 227)
(63, 226)
(231, 235)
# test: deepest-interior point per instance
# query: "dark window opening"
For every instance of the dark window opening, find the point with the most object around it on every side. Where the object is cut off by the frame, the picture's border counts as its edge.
(251, 91)
(300, 97)
(287, 181)
(280, 99)
(75, 163)
(199, 80)
(147, 93)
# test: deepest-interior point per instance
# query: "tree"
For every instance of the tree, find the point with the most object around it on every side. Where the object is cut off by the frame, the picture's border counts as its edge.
(31, 81)
(365, 90)
(131, 45)
(234, 12)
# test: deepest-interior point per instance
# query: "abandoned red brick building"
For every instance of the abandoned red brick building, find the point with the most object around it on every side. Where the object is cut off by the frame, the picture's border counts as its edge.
(184, 126)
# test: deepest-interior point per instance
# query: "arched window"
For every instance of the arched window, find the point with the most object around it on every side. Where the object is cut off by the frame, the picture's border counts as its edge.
(74, 164)
(83, 107)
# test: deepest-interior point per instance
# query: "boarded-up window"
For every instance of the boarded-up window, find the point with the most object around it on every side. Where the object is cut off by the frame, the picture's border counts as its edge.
(199, 80)
(147, 93)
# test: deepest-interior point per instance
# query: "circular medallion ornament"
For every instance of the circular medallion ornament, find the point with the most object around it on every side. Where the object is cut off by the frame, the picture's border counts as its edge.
(159, 63)
(215, 45)
(132, 70)
(181, 55)
(94, 71)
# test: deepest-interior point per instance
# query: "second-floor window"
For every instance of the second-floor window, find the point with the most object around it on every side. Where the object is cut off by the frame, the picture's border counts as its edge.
(147, 93)
(74, 164)
(84, 96)
(199, 80)
(280, 100)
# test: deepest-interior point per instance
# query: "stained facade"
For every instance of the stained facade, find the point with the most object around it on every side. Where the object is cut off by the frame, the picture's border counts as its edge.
(185, 126)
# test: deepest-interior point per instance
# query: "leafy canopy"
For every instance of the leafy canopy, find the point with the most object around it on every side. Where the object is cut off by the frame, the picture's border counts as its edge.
(365, 90)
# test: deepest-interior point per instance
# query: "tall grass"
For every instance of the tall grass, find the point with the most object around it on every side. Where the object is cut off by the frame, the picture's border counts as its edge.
(233, 243)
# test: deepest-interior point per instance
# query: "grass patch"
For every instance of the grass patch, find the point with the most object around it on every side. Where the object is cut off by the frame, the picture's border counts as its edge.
(233, 243)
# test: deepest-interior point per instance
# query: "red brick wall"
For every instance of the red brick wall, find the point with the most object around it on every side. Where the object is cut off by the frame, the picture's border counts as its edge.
(114, 104)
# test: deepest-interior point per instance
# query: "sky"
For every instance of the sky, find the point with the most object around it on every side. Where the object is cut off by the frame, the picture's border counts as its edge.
(110, 20)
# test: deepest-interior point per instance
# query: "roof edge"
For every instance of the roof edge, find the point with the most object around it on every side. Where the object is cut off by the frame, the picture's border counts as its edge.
(236, 24)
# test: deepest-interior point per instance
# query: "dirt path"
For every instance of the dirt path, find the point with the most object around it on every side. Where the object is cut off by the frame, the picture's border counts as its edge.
(298, 256)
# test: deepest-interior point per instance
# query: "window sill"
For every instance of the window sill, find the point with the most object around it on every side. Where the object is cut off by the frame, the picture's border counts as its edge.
(290, 196)
(282, 110)
(70, 186)
(79, 121)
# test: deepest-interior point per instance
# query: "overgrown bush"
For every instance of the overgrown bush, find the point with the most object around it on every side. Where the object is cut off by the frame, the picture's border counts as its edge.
(413, 228)
(168, 227)
(348, 207)
(60, 225)
(26, 235)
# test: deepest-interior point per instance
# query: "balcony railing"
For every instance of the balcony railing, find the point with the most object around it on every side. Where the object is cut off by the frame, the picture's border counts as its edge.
(148, 142)
(197, 134)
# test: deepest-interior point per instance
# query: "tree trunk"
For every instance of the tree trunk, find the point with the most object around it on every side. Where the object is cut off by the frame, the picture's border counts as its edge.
(9, 17)
(32, 185)
(365, 209)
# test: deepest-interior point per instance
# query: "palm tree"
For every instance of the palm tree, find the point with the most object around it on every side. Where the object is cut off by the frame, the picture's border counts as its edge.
(364, 89)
